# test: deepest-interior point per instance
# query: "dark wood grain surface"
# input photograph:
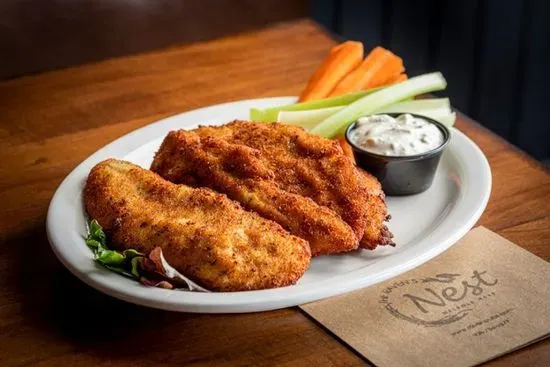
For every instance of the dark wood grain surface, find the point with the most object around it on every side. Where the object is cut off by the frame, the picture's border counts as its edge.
(50, 122)
(41, 35)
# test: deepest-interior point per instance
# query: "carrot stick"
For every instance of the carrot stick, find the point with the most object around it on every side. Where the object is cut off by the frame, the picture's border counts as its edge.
(340, 61)
(389, 70)
(372, 68)
(348, 152)
(397, 79)
(392, 80)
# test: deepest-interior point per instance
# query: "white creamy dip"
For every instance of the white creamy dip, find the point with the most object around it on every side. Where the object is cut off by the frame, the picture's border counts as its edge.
(402, 136)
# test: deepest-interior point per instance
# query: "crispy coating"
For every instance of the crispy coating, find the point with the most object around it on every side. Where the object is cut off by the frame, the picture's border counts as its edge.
(203, 234)
(376, 232)
(309, 165)
(304, 164)
(245, 175)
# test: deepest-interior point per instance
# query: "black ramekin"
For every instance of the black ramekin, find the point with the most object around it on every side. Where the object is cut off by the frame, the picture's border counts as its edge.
(405, 175)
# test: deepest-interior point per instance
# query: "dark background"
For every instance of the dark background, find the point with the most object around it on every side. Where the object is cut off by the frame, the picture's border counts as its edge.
(494, 53)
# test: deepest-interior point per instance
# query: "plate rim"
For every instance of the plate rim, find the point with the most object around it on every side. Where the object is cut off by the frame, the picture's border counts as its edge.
(248, 301)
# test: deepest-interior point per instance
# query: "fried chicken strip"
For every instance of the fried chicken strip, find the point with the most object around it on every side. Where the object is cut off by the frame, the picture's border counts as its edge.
(376, 231)
(203, 234)
(315, 167)
(303, 164)
(241, 173)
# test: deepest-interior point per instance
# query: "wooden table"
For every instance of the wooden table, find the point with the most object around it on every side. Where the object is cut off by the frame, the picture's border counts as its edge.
(52, 121)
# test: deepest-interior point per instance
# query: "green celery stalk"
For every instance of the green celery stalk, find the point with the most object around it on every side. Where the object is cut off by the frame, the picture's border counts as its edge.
(271, 114)
(337, 123)
(438, 109)
(418, 106)
(307, 118)
(435, 108)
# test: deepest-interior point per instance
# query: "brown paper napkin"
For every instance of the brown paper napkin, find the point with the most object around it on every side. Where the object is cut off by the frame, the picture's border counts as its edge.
(482, 298)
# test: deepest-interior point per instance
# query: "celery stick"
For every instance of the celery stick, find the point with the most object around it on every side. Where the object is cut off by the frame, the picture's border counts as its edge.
(271, 114)
(256, 114)
(444, 116)
(417, 106)
(337, 123)
(437, 109)
(308, 118)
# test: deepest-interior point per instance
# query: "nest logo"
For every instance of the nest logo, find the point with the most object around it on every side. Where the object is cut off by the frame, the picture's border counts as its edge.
(438, 300)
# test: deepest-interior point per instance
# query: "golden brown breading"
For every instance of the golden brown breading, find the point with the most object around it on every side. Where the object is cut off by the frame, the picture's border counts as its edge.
(203, 234)
(242, 173)
(304, 164)
(376, 232)
(309, 165)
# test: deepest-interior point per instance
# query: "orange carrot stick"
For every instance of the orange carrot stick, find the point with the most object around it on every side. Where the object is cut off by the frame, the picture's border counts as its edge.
(389, 70)
(348, 152)
(392, 80)
(397, 79)
(371, 68)
(340, 61)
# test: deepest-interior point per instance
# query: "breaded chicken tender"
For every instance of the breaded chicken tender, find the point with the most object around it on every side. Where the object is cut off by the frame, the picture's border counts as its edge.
(242, 173)
(376, 231)
(304, 164)
(296, 162)
(203, 234)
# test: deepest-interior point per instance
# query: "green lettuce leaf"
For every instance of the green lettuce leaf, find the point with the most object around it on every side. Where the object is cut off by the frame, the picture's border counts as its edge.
(113, 260)
(151, 269)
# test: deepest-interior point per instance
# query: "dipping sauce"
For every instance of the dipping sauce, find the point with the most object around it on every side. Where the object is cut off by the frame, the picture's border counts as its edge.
(404, 135)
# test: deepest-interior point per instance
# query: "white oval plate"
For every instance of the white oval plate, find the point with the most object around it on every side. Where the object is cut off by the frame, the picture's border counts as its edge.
(424, 225)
